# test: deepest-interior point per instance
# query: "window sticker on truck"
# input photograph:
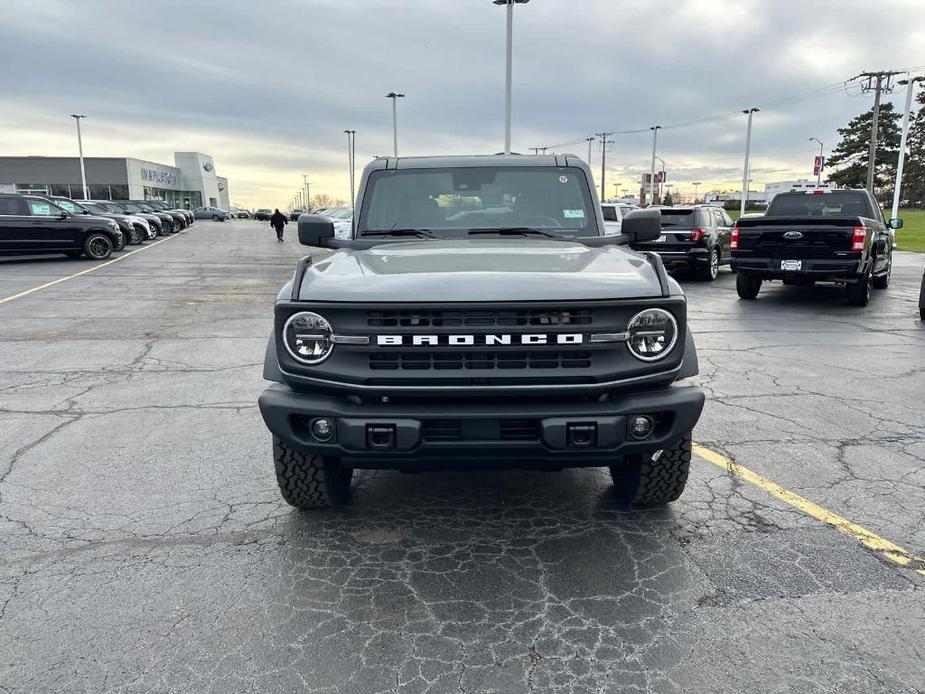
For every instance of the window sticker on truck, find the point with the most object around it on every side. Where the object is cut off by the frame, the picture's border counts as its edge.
(573, 214)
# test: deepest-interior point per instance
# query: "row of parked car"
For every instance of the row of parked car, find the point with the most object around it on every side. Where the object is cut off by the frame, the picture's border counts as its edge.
(36, 224)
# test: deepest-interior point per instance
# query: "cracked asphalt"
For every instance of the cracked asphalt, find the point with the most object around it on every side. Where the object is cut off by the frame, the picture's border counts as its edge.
(144, 546)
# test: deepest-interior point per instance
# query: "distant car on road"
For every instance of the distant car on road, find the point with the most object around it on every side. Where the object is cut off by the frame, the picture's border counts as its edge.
(30, 224)
(695, 237)
(263, 214)
(240, 213)
(295, 214)
(216, 214)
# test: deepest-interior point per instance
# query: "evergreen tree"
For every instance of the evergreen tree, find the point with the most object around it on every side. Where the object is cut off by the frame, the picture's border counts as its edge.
(849, 158)
(913, 188)
(669, 201)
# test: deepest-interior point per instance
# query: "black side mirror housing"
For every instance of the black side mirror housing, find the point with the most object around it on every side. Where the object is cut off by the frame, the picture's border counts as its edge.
(315, 230)
(640, 226)
(64, 214)
(896, 223)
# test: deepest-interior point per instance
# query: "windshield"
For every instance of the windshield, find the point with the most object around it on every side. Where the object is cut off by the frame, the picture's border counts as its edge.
(99, 209)
(823, 205)
(113, 207)
(454, 202)
(610, 213)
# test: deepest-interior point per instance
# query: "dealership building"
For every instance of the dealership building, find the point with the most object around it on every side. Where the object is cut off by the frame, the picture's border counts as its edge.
(190, 183)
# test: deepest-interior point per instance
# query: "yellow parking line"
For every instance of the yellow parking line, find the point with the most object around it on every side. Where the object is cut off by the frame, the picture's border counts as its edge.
(874, 542)
(83, 272)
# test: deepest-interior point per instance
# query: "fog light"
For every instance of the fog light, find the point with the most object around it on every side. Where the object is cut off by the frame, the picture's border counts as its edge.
(641, 427)
(323, 429)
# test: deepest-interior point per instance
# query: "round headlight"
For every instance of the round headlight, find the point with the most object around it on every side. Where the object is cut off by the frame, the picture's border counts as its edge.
(308, 337)
(651, 334)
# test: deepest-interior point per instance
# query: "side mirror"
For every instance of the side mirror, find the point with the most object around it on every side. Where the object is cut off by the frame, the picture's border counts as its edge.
(64, 215)
(896, 223)
(642, 225)
(315, 230)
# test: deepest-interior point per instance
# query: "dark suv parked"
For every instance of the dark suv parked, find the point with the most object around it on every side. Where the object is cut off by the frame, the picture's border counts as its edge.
(130, 234)
(695, 237)
(30, 224)
(155, 223)
(168, 223)
(183, 217)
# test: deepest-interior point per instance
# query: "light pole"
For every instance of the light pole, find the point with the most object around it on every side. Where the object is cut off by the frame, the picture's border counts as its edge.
(654, 129)
(351, 135)
(821, 160)
(696, 187)
(750, 112)
(509, 68)
(395, 96)
(902, 143)
(590, 141)
(305, 188)
(80, 151)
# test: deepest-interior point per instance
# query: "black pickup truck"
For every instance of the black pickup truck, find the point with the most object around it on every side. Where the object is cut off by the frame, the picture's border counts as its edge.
(820, 236)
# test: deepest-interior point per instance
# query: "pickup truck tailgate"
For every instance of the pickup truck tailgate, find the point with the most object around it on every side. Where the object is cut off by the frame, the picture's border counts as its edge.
(796, 237)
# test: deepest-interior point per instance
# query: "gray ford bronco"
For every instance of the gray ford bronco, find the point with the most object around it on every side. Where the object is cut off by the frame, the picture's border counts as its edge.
(478, 317)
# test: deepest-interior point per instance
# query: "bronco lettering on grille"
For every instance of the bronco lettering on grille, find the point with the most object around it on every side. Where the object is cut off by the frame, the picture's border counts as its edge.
(472, 340)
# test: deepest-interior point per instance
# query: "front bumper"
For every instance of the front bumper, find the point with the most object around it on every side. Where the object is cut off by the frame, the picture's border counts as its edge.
(820, 268)
(524, 433)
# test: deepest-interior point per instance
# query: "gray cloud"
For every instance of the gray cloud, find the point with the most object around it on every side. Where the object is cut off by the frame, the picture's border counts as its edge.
(273, 84)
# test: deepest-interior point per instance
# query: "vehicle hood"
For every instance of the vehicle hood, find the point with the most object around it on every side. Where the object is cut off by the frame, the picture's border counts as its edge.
(480, 270)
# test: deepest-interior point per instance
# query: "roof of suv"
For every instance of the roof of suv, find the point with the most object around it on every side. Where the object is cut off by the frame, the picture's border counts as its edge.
(474, 160)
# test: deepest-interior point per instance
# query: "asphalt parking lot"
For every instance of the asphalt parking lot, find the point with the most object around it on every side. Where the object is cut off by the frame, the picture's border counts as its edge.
(144, 545)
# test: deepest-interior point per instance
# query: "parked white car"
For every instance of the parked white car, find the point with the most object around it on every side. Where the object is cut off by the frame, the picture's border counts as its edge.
(613, 216)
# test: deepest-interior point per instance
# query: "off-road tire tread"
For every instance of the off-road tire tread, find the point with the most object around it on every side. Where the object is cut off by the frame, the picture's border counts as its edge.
(657, 482)
(308, 481)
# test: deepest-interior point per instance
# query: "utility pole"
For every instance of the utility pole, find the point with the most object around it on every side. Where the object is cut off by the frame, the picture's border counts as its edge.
(821, 161)
(696, 186)
(902, 143)
(879, 83)
(605, 140)
(654, 129)
(395, 96)
(305, 188)
(80, 151)
(750, 112)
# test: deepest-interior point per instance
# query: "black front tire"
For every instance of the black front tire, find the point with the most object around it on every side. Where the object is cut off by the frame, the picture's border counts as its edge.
(215, 218)
(747, 286)
(309, 481)
(653, 479)
(97, 246)
(859, 292)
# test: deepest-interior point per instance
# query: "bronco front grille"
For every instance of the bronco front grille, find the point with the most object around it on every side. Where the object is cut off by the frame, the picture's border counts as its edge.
(423, 361)
(439, 318)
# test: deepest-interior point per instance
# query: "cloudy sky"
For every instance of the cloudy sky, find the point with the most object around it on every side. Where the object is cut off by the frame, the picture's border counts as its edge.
(268, 87)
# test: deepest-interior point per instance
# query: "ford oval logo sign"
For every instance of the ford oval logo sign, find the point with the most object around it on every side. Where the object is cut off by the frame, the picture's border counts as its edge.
(207, 166)
(793, 235)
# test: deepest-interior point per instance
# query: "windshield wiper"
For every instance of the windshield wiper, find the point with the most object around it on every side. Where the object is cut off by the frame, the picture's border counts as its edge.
(420, 233)
(512, 231)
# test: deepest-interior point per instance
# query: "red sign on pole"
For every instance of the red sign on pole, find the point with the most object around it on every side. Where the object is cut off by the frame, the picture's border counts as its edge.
(817, 165)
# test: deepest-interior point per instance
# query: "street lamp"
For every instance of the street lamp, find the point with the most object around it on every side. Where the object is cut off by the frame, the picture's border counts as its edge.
(80, 150)
(819, 171)
(351, 153)
(590, 140)
(394, 96)
(305, 185)
(696, 186)
(510, 53)
(750, 112)
(902, 143)
(654, 129)
(662, 181)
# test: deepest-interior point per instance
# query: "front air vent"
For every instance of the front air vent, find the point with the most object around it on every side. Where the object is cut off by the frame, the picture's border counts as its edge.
(456, 361)
(474, 318)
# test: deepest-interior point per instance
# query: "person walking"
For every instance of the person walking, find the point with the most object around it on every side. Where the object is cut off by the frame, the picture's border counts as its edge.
(278, 221)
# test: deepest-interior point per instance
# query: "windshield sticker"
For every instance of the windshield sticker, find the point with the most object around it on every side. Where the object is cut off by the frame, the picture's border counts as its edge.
(563, 179)
(573, 214)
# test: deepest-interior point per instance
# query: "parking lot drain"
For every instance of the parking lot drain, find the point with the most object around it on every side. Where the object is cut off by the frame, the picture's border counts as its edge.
(874, 542)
